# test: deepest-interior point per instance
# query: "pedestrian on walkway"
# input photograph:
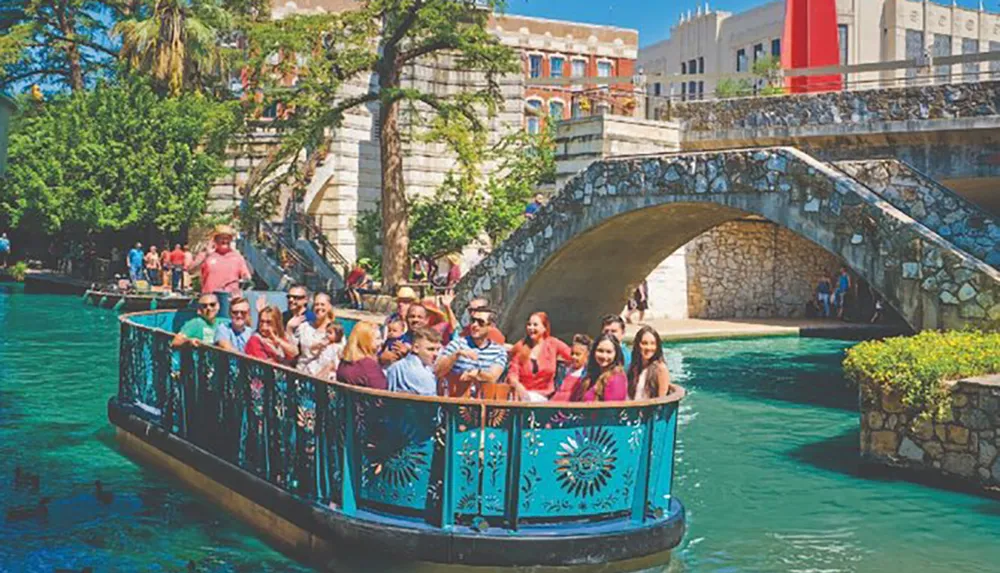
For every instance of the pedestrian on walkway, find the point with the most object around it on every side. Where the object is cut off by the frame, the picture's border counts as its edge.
(4, 250)
(135, 262)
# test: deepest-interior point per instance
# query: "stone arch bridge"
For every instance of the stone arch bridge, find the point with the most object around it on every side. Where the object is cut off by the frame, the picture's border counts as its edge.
(612, 224)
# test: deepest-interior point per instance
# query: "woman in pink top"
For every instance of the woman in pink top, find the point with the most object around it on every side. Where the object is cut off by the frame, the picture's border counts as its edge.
(533, 361)
(605, 380)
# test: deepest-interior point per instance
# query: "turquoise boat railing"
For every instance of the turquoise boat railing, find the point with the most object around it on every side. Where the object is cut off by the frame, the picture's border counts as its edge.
(500, 467)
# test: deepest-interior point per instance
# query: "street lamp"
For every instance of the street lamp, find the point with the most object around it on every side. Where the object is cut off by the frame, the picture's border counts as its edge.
(7, 109)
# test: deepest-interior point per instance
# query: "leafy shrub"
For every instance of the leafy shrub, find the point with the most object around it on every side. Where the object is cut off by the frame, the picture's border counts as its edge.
(919, 367)
(19, 271)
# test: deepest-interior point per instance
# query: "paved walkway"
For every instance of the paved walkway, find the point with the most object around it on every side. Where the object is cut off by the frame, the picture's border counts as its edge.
(694, 328)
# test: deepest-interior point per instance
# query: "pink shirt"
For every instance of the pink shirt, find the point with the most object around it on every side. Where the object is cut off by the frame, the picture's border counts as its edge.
(222, 272)
(615, 390)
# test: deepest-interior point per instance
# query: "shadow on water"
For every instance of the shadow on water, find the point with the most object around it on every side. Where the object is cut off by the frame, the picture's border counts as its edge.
(840, 454)
(809, 379)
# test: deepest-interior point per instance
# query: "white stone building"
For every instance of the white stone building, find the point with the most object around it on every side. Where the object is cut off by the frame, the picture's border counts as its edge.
(712, 42)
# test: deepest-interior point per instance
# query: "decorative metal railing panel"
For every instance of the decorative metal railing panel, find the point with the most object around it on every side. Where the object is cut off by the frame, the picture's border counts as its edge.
(438, 462)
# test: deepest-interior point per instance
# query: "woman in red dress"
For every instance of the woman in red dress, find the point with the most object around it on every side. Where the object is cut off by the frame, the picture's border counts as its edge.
(534, 358)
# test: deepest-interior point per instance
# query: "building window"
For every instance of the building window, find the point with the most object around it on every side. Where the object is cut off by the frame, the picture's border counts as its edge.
(684, 91)
(693, 90)
(579, 68)
(657, 89)
(575, 111)
(741, 60)
(556, 66)
(692, 67)
(701, 65)
(556, 110)
(776, 48)
(533, 121)
(535, 66)
(604, 69)
(842, 35)
(942, 47)
(970, 71)
(995, 64)
(758, 52)
(914, 50)
(684, 68)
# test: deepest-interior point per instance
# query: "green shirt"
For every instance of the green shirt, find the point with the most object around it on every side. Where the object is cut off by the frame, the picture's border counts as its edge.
(199, 329)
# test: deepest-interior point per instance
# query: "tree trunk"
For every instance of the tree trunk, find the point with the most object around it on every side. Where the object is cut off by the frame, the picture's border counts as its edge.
(66, 25)
(395, 221)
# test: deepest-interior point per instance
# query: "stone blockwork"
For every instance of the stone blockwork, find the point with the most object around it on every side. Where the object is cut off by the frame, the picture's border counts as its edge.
(753, 268)
(938, 208)
(614, 223)
(963, 444)
(899, 104)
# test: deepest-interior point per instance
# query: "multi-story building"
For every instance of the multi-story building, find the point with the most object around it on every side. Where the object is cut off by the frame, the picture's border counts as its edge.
(712, 42)
(556, 49)
(348, 180)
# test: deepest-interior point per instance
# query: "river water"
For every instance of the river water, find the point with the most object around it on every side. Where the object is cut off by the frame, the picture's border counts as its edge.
(767, 467)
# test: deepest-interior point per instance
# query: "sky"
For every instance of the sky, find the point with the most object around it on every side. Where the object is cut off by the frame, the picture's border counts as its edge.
(653, 19)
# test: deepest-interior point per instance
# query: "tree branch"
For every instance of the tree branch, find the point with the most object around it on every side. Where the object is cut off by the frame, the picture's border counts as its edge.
(81, 42)
(440, 107)
(8, 80)
(404, 26)
(425, 49)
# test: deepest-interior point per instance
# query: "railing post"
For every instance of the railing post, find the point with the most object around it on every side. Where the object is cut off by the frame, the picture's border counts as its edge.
(512, 501)
(348, 501)
(640, 493)
(447, 500)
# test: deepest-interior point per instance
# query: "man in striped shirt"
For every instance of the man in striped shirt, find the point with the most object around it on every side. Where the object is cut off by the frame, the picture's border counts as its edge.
(469, 361)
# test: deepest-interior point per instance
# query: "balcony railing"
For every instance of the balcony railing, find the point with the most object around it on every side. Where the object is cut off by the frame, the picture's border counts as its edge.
(500, 468)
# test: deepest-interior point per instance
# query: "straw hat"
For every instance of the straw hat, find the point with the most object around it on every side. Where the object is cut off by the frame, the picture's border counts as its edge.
(223, 230)
(436, 315)
(454, 258)
(406, 293)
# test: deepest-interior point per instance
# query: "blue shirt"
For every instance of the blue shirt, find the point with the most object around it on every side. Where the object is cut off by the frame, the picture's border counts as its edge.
(532, 208)
(842, 283)
(409, 375)
(626, 356)
(237, 340)
(135, 258)
(4, 245)
(490, 355)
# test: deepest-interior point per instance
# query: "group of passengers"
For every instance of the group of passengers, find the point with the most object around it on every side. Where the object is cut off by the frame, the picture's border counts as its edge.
(419, 349)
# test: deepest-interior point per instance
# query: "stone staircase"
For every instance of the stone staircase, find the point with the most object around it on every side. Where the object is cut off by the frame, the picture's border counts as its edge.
(957, 220)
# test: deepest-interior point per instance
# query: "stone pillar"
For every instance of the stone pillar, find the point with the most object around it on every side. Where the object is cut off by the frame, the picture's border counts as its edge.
(580, 142)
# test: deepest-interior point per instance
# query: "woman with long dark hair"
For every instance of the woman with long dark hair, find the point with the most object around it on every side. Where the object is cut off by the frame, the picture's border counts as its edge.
(605, 380)
(648, 376)
(534, 358)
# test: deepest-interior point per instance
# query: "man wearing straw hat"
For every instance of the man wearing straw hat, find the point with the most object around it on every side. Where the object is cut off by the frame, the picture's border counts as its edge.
(222, 267)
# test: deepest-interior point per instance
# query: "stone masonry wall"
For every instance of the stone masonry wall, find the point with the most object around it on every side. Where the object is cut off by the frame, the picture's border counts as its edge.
(901, 104)
(744, 269)
(962, 445)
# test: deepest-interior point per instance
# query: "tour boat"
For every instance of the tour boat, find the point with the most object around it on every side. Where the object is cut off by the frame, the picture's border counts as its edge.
(132, 301)
(353, 479)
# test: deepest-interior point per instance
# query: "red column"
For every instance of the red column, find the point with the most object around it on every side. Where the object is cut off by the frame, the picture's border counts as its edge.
(810, 40)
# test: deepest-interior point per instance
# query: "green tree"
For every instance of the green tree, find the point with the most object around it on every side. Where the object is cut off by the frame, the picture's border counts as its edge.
(53, 41)
(118, 158)
(385, 37)
(526, 162)
(176, 42)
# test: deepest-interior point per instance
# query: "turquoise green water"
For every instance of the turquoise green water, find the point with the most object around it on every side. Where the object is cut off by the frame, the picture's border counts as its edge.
(766, 467)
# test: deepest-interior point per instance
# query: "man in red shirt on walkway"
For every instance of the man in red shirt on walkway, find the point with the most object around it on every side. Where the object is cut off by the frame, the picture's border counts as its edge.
(177, 267)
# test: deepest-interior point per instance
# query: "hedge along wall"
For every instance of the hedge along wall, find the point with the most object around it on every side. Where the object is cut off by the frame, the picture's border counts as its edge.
(931, 403)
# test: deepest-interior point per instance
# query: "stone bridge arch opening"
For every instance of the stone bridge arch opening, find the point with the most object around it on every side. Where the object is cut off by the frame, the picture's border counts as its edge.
(615, 222)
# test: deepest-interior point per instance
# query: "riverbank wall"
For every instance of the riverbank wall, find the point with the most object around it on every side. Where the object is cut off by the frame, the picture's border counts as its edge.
(959, 449)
